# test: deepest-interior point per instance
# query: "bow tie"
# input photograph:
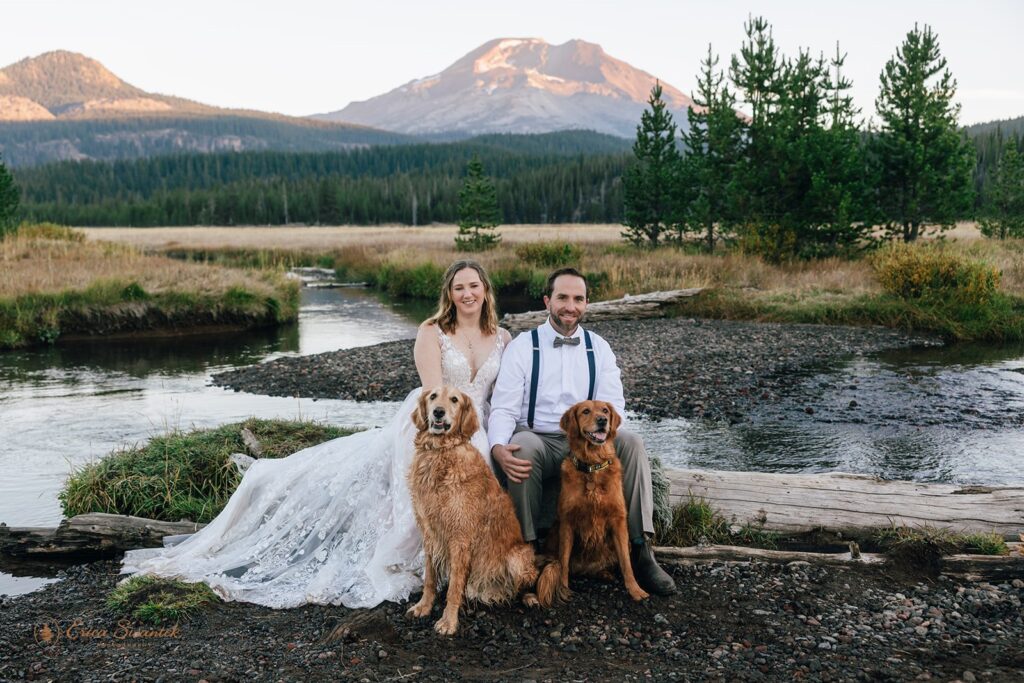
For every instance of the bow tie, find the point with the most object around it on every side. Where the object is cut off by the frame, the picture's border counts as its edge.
(566, 341)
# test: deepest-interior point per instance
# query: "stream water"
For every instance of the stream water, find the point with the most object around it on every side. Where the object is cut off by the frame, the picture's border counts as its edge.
(936, 415)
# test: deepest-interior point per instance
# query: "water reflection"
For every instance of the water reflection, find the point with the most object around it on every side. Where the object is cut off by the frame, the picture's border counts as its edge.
(142, 358)
(936, 415)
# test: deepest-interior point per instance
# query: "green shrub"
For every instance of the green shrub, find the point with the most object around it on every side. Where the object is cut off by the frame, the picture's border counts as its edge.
(696, 522)
(133, 291)
(549, 254)
(931, 272)
(181, 475)
(422, 281)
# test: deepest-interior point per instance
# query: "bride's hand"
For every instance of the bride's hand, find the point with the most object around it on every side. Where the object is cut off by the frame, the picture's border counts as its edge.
(515, 469)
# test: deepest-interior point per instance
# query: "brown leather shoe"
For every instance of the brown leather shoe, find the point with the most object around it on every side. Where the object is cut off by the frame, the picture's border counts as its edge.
(651, 577)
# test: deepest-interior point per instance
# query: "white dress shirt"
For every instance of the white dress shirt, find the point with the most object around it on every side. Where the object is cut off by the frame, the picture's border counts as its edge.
(563, 381)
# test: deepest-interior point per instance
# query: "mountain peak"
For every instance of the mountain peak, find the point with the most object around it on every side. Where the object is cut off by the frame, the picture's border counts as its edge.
(519, 85)
(62, 78)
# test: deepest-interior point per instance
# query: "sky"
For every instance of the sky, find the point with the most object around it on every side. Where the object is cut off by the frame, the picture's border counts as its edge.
(302, 57)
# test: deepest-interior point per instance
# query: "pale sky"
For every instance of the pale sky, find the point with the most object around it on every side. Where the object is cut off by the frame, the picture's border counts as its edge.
(305, 56)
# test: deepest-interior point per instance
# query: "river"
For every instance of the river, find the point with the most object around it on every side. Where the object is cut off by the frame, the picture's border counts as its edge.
(926, 415)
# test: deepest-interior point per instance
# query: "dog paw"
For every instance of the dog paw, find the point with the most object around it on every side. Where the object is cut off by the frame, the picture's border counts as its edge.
(446, 626)
(639, 594)
(530, 600)
(419, 610)
(564, 594)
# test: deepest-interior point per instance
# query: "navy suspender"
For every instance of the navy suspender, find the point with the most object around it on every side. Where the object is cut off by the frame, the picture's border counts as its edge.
(535, 373)
(590, 363)
(534, 377)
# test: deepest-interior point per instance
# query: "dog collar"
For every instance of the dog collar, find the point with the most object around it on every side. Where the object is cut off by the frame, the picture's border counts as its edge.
(589, 469)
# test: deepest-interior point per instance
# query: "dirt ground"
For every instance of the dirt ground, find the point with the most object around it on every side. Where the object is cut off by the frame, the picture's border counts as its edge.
(729, 622)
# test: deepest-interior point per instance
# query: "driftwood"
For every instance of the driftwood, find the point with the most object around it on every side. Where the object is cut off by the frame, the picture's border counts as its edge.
(95, 534)
(849, 506)
(652, 305)
(971, 567)
(815, 510)
(252, 443)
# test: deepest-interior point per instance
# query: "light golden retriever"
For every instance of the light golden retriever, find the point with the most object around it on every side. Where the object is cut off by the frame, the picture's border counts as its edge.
(470, 532)
(590, 535)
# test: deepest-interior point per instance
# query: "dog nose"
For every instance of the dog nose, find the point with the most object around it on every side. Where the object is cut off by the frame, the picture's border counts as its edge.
(438, 413)
(602, 421)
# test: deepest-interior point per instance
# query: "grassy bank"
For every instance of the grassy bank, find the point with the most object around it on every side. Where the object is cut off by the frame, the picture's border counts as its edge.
(181, 475)
(409, 262)
(58, 285)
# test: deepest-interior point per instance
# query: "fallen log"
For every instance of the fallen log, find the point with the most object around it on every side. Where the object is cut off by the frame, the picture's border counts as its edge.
(816, 510)
(651, 305)
(969, 567)
(91, 535)
(849, 506)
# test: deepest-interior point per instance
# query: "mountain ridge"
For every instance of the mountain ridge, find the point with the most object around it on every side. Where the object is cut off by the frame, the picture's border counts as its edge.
(63, 105)
(519, 85)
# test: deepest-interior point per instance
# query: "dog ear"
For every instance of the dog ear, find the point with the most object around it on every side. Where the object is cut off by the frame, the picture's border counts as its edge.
(468, 421)
(419, 416)
(569, 423)
(614, 421)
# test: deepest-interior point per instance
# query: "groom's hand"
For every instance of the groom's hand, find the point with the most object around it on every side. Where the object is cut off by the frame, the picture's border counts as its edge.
(515, 469)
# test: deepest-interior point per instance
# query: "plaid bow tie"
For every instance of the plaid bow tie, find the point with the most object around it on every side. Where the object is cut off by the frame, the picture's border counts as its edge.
(566, 341)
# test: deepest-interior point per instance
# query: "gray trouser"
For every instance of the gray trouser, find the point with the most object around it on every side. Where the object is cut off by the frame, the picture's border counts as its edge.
(536, 498)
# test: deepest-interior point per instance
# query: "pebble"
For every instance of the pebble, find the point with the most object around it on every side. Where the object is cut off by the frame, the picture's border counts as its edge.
(811, 624)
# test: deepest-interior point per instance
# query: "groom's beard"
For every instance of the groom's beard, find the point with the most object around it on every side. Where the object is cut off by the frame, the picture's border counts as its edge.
(557, 324)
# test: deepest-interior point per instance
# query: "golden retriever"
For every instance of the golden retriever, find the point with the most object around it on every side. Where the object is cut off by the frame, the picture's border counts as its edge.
(590, 536)
(469, 527)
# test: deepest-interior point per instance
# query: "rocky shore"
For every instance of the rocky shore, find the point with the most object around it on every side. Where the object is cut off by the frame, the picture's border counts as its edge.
(673, 367)
(729, 622)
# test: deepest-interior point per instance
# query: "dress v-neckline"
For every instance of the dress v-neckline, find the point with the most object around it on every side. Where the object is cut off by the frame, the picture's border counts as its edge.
(497, 340)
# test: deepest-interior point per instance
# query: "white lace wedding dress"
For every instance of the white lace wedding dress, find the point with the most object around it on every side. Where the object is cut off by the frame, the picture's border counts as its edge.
(331, 524)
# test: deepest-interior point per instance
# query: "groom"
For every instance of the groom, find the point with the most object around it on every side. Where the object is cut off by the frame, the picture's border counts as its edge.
(533, 390)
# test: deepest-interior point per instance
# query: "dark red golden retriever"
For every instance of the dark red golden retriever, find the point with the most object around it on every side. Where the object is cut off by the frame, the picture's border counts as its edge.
(590, 536)
(470, 532)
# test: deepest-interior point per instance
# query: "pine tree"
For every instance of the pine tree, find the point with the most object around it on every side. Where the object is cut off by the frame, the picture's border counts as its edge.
(801, 180)
(478, 211)
(757, 75)
(835, 199)
(923, 163)
(714, 149)
(1006, 213)
(649, 184)
(9, 199)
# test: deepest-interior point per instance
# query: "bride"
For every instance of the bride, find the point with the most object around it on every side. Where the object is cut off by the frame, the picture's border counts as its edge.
(333, 524)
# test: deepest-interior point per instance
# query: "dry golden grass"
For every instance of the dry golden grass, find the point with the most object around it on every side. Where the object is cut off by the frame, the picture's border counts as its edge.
(40, 266)
(329, 238)
(629, 270)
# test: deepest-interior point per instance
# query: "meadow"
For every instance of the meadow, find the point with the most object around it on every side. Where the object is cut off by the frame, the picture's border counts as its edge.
(408, 261)
(58, 284)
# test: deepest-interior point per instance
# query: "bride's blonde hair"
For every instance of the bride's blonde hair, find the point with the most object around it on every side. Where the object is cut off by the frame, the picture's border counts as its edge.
(445, 317)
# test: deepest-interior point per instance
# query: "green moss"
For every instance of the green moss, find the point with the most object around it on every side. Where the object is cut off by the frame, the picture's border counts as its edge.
(159, 601)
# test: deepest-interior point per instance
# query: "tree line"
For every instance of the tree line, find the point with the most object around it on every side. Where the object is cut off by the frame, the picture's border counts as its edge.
(800, 176)
(415, 185)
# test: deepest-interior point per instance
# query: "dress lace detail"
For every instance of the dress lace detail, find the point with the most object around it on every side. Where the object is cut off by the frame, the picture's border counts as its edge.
(331, 524)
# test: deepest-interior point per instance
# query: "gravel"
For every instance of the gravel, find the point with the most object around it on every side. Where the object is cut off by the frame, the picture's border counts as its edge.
(670, 367)
(729, 622)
